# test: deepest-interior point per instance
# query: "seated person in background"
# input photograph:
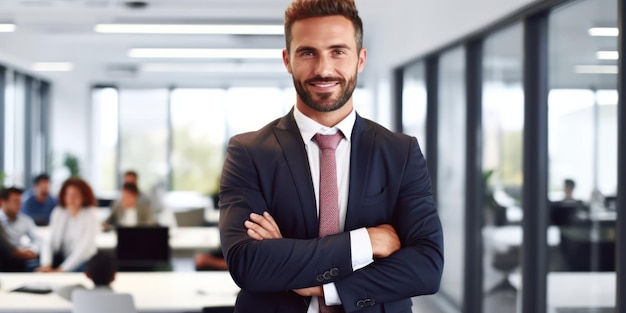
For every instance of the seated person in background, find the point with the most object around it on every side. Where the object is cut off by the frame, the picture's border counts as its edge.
(74, 227)
(101, 269)
(131, 177)
(568, 188)
(213, 261)
(17, 225)
(38, 203)
(13, 259)
(128, 210)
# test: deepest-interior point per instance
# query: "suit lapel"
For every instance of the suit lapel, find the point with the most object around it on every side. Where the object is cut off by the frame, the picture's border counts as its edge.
(290, 140)
(360, 159)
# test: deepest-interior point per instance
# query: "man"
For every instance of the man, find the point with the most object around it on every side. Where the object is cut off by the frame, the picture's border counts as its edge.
(569, 186)
(381, 240)
(131, 177)
(38, 203)
(129, 211)
(16, 225)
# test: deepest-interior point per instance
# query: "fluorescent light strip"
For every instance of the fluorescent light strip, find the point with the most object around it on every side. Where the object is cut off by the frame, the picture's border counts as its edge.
(603, 31)
(607, 55)
(53, 67)
(7, 28)
(206, 53)
(213, 68)
(595, 69)
(190, 29)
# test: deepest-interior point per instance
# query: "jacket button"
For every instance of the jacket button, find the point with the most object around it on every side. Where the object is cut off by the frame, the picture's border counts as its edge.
(320, 278)
(370, 302)
(334, 272)
(360, 304)
(327, 275)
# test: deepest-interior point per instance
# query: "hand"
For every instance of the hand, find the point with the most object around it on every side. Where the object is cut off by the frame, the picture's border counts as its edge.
(24, 254)
(384, 240)
(44, 269)
(317, 291)
(262, 227)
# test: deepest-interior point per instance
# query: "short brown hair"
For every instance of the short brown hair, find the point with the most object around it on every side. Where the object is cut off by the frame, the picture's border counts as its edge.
(131, 173)
(303, 9)
(85, 191)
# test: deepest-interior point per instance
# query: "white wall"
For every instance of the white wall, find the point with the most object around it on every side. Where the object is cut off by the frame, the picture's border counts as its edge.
(412, 28)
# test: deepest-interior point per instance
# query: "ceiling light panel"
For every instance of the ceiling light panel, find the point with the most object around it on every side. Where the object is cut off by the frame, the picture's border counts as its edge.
(190, 29)
(603, 32)
(206, 53)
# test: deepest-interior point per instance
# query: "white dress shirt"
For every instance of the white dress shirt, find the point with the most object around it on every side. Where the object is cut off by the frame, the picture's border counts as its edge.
(360, 245)
(16, 230)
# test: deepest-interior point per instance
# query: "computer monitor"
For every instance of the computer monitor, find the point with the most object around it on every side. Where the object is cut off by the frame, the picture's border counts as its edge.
(144, 247)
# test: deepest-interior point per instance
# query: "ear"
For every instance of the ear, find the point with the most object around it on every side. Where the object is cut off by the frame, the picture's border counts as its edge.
(286, 61)
(362, 59)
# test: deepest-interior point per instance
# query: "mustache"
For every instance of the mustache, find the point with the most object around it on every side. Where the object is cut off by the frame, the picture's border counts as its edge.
(324, 79)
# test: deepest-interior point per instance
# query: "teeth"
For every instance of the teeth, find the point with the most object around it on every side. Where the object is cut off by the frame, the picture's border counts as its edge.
(325, 85)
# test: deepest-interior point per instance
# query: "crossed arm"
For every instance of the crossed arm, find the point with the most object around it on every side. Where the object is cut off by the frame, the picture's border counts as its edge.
(383, 238)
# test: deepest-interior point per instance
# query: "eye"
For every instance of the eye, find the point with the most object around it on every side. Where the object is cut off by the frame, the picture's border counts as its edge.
(339, 52)
(306, 53)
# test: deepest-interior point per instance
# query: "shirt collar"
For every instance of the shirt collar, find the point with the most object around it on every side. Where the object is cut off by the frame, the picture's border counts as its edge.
(308, 127)
(3, 217)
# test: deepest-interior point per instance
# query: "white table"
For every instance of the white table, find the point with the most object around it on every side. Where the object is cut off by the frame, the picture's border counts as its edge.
(504, 237)
(181, 238)
(152, 292)
(576, 289)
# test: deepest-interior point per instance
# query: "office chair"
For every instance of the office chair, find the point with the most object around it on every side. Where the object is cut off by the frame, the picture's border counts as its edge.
(96, 301)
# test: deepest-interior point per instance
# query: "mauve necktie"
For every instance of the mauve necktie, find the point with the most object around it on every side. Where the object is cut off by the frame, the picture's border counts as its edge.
(329, 196)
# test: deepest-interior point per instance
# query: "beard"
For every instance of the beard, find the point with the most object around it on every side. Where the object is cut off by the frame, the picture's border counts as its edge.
(325, 102)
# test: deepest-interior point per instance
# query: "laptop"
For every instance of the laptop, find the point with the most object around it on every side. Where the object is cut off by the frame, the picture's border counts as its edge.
(143, 248)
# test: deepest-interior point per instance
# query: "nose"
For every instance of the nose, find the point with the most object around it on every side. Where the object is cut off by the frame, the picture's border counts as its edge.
(324, 66)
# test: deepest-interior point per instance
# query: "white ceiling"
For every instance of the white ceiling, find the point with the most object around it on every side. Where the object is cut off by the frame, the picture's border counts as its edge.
(62, 30)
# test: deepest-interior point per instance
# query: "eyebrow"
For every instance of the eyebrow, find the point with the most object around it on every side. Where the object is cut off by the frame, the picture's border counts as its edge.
(338, 46)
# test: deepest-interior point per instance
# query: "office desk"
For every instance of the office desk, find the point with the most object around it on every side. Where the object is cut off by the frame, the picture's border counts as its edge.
(504, 237)
(182, 239)
(152, 292)
(575, 289)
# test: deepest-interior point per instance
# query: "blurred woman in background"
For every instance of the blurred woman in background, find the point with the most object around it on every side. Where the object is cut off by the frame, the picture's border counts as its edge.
(74, 227)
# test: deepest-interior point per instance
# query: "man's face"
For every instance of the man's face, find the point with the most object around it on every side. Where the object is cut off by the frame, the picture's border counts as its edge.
(128, 199)
(12, 205)
(130, 179)
(42, 189)
(324, 62)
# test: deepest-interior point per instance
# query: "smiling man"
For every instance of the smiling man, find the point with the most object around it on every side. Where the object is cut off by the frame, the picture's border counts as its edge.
(322, 210)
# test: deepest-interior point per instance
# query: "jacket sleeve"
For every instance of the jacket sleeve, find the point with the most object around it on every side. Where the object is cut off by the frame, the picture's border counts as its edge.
(276, 264)
(416, 268)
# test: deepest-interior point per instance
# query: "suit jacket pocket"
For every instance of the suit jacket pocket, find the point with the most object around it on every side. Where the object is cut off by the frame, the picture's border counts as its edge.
(375, 199)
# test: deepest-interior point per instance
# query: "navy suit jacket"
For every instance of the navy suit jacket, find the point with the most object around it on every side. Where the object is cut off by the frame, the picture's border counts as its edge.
(268, 170)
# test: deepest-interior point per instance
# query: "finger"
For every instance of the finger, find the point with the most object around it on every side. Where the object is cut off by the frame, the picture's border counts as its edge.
(266, 224)
(258, 229)
(271, 220)
(254, 235)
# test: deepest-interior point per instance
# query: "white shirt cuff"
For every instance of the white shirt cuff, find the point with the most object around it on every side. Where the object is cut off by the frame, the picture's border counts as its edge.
(361, 249)
(331, 296)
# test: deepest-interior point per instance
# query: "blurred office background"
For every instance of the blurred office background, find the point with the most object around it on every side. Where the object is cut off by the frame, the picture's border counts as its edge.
(508, 99)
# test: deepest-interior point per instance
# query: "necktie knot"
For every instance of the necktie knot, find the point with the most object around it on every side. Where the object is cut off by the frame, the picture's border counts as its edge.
(326, 142)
